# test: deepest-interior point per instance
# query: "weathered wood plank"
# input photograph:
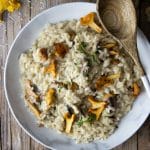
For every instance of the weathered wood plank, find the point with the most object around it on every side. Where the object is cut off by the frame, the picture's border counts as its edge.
(13, 26)
(2, 49)
(24, 18)
(5, 114)
(144, 136)
(51, 3)
(25, 14)
(37, 7)
(36, 146)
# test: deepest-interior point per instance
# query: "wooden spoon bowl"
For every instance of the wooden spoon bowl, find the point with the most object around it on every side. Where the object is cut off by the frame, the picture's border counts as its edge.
(118, 18)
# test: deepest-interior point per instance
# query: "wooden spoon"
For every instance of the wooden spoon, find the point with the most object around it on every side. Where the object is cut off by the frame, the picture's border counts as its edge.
(118, 18)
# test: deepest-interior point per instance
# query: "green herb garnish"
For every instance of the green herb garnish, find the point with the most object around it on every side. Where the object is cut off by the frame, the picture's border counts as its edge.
(82, 47)
(80, 122)
(92, 58)
(90, 119)
(95, 58)
(59, 89)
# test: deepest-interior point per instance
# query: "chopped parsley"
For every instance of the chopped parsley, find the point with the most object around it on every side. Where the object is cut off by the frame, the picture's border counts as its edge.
(95, 58)
(90, 119)
(92, 58)
(82, 47)
(59, 89)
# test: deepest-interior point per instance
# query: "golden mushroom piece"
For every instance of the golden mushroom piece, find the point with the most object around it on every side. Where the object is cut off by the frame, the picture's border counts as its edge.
(136, 89)
(50, 96)
(105, 81)
(109, 45)
(114, 52)
(95, 104)
(51, 68)
(88, 20)
(43, 54)
(102, 82)
(113, 76)
(8, 5)
(99, 110)
(30, 90)
(33, 108)
(60, 49)
(69, 121)
(107, 96)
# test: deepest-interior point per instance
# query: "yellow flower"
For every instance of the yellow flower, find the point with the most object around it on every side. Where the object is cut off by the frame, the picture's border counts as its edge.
(8, 5)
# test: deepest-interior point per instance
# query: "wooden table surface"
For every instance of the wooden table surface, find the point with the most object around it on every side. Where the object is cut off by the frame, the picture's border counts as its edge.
(12, 137)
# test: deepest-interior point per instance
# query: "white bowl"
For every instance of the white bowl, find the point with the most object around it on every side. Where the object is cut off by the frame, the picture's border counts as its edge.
(48, 137)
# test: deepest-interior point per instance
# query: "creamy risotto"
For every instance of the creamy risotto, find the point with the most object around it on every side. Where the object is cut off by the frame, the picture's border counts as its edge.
(78, 80)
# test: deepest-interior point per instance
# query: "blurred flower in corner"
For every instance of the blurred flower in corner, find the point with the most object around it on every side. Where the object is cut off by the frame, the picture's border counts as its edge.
(8, 5)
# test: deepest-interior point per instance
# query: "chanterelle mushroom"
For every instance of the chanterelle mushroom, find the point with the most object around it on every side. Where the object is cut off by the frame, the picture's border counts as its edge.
(60, 49)
(74, 86)
(105, 81)
(30, 90)
(99, 110)
(8, 5)
(88, 20)
(113, 76)
(109, 45)
(69, 121)
(51, 68)
(50, 96)
(136, 89)
(113, 52)
(95, 104)
(107, 96)
(34, 109)
(43, 54)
